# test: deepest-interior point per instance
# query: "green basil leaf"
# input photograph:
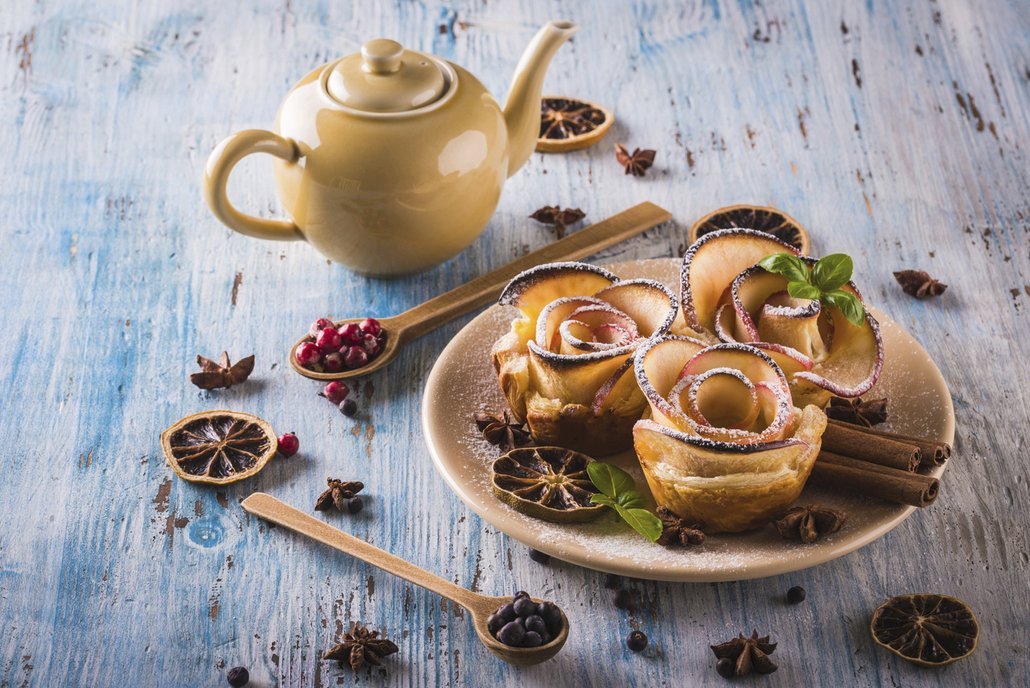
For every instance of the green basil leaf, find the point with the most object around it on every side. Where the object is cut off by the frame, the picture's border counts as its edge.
(849, 305)
(832, 271)
(630, 499)
(803, 290)
(786, 264)
(602, 499)
(642, 521)
(610, 480)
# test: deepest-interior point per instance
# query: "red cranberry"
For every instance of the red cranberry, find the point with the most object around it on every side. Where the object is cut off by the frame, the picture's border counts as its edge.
(335, 391)
(288, 444)
(355, 357)
(333, 363)
(371, 326)
(320, 325)
(329, 340)
(371, 345)
(308, 354)
(351, 334)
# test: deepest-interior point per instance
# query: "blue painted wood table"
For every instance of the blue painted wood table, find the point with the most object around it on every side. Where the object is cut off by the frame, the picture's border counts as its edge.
(895, 131)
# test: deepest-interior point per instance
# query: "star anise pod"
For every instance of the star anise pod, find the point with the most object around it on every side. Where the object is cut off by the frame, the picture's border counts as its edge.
(559, 218)
(501, 428)
(336, 496)
(857, 411)
(637, 162)
(747, 654)
(809, 523)
(919, 284)
(676, 531)
(360, 646)
(213, 375)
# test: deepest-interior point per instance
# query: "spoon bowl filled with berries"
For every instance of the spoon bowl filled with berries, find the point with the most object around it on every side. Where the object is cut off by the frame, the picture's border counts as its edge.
(337, 350)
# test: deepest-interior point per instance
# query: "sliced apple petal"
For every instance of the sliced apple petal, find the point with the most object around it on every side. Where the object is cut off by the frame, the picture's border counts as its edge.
(533, 289)
(649, 303)
(573, 378)
(656, 368)
(712, 263)
(554, 314)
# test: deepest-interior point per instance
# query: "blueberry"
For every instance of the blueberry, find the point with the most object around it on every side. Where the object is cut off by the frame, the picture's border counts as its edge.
(796, 595)
(354, 505)
(507, 612)
(348, 407)
(238, 676)
(494, 622)
(725, 667)
(552, 617)
(532, 639)
(636, 641)
(539, 557)
(525, 606)
(511, 634)
(545, 638)
(536, 623)
(520, 593)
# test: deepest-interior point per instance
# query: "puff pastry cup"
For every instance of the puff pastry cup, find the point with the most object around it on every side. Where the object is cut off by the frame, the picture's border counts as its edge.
(564, 366)
(726, 297)
(724, 444)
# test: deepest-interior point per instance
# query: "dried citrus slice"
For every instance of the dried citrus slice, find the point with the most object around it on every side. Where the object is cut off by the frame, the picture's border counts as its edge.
(930, 630)
(567, 124)
(549, 483)
(218, 447)
(757, 217)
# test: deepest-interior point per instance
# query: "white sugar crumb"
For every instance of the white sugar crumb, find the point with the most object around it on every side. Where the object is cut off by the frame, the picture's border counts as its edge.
(468, 382)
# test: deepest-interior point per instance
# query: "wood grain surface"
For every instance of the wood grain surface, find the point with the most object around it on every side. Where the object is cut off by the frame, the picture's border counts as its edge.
(894, 131)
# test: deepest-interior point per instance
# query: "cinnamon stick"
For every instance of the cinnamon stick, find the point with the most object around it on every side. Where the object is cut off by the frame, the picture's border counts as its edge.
(932, 452)
(874, 480)
(856, 441)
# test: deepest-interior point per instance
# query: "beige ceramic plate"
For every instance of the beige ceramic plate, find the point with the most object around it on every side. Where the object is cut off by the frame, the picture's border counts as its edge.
(463, 379)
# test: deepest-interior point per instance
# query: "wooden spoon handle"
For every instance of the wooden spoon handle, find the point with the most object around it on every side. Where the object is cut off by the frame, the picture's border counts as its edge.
(271, 509)
(482, 290)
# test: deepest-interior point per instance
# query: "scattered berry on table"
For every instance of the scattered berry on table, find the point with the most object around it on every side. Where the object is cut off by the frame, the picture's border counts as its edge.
(238, 676)
(349, 407)
(636, 641)
(539, 557)
(335, 391)
(796, 595)
(289, 444)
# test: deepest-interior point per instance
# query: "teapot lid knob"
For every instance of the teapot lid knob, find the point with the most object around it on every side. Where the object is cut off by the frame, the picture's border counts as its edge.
(381, 56)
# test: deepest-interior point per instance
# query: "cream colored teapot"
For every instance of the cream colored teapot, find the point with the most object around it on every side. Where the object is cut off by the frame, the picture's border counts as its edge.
(390, 160)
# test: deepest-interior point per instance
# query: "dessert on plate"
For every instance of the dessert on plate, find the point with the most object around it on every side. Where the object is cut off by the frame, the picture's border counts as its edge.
(726, 296)
(724, 444)
(564, 366)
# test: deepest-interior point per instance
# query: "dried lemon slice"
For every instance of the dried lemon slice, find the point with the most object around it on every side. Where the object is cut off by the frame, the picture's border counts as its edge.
(757, 217)
(549, 483)
(218, 447)
(567, 124)
(929, 630)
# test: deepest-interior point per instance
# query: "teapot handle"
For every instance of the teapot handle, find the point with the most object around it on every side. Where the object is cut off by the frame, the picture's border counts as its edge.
(216, 175)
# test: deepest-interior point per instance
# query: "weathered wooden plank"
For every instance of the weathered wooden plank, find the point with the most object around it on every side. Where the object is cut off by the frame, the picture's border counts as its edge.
(896, 132)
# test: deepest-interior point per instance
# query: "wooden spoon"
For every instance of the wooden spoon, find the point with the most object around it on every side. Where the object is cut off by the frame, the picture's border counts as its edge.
(479, 606)
(417, 321)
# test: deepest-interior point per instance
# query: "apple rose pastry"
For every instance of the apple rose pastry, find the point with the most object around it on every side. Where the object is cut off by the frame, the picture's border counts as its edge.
(724, 444)
(565, 365)
(726, 293)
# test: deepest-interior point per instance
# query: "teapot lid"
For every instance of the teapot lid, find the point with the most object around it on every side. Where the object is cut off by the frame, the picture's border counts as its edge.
(384, 77)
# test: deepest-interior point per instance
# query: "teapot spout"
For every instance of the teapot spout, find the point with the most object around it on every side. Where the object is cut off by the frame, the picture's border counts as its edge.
(522, 109)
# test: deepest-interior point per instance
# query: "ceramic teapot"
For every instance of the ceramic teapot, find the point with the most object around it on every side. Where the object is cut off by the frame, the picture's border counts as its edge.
(390, 161)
